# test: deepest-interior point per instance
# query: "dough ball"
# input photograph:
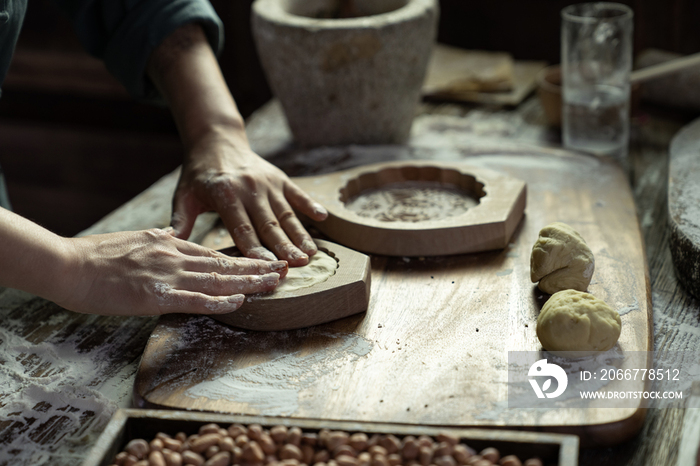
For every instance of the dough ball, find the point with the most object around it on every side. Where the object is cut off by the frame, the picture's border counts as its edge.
(572, 320)
(561, 260)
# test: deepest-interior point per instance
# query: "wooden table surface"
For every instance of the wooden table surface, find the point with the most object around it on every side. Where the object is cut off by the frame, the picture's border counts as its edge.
(63, 374)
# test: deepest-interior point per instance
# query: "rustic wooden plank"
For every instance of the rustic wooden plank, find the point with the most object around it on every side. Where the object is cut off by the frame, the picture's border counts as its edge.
(470, 129)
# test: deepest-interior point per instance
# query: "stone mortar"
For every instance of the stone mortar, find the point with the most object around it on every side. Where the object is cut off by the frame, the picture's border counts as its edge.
(347, 80)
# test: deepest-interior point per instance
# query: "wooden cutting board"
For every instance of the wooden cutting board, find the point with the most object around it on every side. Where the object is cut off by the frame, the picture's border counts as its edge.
(432, 348)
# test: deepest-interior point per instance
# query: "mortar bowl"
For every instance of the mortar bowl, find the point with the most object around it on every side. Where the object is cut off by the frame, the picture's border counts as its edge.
(346, 72)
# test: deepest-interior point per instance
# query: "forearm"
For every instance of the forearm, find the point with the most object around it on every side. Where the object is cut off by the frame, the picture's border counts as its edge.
(185, 71)
(32, 258)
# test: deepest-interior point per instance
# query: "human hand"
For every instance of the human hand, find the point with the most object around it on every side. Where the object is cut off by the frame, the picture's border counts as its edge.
(152, 272)
(254, 198)
(220, 171)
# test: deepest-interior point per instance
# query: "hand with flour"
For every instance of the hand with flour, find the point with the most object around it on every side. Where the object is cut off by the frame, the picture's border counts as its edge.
(147, 272)
(220, 171)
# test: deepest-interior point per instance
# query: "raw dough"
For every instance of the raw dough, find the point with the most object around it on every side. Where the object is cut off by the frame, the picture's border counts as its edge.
(561, 260)
(320, 268)
(572, 320)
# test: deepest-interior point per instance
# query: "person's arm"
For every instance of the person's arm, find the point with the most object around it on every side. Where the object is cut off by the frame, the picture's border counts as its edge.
(128, 273)
(220, 171)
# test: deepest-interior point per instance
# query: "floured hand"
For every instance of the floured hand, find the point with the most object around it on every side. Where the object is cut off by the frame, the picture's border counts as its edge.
(151, 272)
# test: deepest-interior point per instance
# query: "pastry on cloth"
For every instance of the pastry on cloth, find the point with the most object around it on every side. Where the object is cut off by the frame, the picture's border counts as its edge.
(452, 70)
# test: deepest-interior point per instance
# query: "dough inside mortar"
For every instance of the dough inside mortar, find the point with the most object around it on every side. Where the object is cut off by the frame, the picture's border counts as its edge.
(320, 268)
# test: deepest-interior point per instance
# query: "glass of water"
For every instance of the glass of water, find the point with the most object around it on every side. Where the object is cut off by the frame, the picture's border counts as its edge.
(596, 60)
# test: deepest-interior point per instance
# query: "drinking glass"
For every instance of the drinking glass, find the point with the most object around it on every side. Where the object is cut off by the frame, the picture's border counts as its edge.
(596, 58)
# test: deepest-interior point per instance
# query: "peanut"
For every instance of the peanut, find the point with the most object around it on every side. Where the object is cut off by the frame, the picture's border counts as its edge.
(294, 436)
(373, 440)
(235, 430)
(138, 448)
(279, 433)
(336, 439)
(321, 456)
(290, 451)
(425, 455)
(391, 443)
(449, 438)
(483, 462)
(255, 431)
(226, 444)
(120, 457)
(156, 445)
(345, 460)
(190, 457)
(222, 458)
(490, 454)
(242, 440)
(203, 442)
(172, 444)
(156, 458)
(307, 453)
(252, 453)
(443, 449)
(533, 462)
(358, 441)
(172, 458)
(309, 439)
(462, 453)
(511, 460)
(209, 429)
(377, 450)
(364, 459)
(211, 451)
(267, 444)
(409, 450)
(346, 450)
(425, 441)
(445, 460)
(379, 460)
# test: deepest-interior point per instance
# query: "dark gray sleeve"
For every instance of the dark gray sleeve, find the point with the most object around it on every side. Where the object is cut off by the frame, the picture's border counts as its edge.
(124, 32)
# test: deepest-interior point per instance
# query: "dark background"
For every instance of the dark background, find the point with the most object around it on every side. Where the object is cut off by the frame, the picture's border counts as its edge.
(74, 146)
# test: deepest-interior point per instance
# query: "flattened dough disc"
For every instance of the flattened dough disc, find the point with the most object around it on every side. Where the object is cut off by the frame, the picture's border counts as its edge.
(344, 293)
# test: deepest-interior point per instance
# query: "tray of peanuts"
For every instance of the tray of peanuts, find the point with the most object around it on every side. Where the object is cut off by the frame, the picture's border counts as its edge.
(176, 438)
(433, 347)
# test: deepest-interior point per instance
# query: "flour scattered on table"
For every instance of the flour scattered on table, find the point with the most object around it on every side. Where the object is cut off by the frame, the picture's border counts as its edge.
(272, 387)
